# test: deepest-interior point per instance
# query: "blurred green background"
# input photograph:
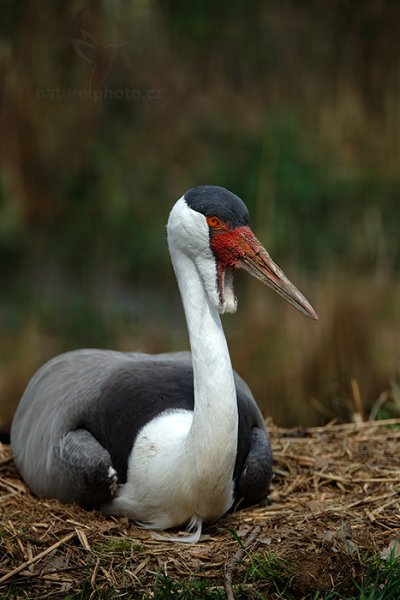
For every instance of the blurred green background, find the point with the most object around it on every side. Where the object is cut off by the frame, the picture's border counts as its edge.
(111, 110)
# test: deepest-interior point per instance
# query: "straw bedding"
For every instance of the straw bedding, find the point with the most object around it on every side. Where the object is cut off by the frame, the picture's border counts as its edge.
(335, 496)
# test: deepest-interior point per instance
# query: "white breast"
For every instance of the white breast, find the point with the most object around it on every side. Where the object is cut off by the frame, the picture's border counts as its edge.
(162, 490)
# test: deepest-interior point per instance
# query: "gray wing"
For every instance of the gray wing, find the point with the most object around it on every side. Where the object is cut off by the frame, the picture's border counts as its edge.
(63, 396)
(253, 469)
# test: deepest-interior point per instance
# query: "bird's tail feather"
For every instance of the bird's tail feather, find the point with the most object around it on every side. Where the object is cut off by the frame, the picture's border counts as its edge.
(190, 536)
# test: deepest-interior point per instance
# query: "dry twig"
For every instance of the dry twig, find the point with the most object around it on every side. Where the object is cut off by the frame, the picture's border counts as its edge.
(39, 556)
(228, 581)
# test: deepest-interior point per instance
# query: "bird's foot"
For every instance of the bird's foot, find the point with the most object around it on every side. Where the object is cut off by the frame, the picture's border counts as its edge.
(113, 479)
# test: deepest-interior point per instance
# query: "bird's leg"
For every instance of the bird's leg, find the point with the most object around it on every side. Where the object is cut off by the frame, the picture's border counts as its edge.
(86, 469)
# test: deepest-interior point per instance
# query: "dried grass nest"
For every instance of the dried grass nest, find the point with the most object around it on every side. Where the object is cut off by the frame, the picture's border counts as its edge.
(334, 496)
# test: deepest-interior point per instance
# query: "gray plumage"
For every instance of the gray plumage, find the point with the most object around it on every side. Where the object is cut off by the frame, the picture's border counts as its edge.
(80, 414)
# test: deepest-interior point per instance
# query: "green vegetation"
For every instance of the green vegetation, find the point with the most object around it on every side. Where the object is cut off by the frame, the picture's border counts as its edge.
(387, 405)
(187, 589)
(272, 573)
(294, 108)
(271, 577)
(381, 580)
(116, 545)
(266, 577)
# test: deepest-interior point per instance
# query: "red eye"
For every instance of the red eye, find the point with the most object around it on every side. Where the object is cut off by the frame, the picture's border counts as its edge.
(214, 222)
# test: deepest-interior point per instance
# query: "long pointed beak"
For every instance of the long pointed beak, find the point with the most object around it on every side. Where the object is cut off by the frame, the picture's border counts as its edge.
(255, 259)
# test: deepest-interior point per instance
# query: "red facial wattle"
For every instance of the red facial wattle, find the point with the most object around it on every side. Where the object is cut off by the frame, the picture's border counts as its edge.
(229, 245)
(239, 248)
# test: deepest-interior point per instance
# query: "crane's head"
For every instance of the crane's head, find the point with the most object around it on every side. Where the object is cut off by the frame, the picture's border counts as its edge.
(210, 226)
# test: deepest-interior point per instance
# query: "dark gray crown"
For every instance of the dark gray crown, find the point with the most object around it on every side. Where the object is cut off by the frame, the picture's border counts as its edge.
(220, 202)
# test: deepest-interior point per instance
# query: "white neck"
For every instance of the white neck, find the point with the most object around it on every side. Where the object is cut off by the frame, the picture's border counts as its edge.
(212, 440)
(181, 465)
